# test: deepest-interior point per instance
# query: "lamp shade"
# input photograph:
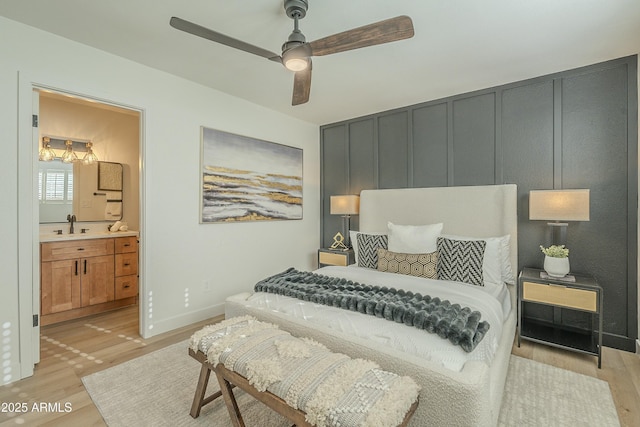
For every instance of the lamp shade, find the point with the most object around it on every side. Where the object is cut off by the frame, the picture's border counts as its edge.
(345, 205)
(559, 205)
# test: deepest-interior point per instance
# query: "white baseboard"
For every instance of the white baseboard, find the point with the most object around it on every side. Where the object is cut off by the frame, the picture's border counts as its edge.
(185, 319)
(638, 347)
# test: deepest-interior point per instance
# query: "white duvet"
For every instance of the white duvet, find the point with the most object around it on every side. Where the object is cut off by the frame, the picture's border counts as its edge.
(492, 301)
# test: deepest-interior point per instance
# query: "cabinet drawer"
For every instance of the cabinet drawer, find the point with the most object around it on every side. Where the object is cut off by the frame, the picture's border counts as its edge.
(559, 295)
(56, 251)
(126, 264)
(126, 286)
(126, 244)
(332, 258)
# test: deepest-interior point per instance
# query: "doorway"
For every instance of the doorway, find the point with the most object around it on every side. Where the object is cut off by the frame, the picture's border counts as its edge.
(115, 133)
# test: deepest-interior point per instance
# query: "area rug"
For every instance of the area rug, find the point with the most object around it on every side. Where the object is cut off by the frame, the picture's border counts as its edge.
(157, 390)
(542, 395)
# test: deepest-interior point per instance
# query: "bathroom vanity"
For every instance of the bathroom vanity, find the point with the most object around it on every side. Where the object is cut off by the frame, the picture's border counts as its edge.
(83, 274)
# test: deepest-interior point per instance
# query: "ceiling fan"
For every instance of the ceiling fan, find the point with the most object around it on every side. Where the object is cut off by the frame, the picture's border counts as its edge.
(296, 52)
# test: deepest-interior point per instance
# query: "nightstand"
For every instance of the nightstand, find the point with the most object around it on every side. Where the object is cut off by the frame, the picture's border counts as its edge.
(333, 257)
(584, 294)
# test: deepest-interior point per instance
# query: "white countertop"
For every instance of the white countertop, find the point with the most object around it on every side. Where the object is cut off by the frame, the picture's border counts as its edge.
(53, 237)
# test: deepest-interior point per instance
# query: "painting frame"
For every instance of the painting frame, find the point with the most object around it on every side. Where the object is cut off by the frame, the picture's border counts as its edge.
(110, 176)
(246, 179)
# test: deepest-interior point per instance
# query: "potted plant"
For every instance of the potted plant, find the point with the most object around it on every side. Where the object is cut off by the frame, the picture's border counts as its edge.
(556, 260)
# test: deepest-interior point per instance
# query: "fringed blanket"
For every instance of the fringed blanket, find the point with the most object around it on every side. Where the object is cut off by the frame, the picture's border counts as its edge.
(331, 388)
(460, 325)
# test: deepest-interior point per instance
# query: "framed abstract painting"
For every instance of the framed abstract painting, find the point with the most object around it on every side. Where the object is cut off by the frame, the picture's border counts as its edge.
(248, 179)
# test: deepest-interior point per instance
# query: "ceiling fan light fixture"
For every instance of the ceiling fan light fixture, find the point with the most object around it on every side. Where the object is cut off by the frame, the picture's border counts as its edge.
(296, 64)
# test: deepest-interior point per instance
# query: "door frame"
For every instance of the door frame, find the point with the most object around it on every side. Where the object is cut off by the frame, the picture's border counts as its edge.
(28, 208)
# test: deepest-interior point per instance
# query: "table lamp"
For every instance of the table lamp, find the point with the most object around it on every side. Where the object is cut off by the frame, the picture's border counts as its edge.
(559, 206)
(346, 206)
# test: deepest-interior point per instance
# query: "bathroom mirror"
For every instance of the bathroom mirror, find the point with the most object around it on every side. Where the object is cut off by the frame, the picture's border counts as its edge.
(90, 192)
(55, 190)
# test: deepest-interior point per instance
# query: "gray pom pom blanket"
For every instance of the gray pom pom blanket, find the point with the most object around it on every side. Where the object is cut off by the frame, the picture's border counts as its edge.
(460, 325)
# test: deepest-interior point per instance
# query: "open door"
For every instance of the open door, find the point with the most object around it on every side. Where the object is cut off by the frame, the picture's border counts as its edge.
(35, 142)
(28, 244)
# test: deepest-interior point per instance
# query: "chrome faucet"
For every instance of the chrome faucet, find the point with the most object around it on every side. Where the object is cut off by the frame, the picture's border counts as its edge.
(71, 219)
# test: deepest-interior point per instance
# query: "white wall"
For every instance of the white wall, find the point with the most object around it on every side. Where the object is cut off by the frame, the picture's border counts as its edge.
(177, 253)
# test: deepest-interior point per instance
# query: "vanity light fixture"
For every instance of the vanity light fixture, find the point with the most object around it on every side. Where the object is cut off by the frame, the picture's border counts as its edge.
(90, 158)
(69, 156)
(46, 153)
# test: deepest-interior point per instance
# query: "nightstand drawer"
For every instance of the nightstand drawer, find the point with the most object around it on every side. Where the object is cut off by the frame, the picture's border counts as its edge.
(559, 295)
(331, 258)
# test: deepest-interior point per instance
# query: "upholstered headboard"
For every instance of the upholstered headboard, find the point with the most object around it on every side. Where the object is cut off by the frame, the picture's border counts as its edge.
(475, 211)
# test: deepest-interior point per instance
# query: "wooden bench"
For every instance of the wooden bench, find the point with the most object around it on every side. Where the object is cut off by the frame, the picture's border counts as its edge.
(298, 378)
(229, 379)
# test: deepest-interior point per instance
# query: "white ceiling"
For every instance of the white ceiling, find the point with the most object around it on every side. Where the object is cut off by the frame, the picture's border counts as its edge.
(459, 45)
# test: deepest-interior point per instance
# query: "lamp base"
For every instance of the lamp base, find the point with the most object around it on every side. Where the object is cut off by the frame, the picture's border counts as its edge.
(558, 232)
(346, 224)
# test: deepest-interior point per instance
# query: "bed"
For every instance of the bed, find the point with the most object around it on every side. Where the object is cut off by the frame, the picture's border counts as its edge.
(458, 390)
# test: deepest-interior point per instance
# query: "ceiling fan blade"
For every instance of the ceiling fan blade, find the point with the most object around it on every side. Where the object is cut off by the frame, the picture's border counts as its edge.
(301, 86)
(200, 31)
(389, 30)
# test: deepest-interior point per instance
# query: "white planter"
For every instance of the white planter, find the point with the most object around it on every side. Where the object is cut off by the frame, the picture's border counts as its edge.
(556, 267)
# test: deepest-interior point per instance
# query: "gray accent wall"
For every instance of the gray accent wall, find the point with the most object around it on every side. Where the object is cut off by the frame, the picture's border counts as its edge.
(574, 129)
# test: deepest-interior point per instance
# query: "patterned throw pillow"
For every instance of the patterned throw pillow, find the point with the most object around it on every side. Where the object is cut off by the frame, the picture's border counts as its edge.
(461, 260)
(421, 265)
(368, 245)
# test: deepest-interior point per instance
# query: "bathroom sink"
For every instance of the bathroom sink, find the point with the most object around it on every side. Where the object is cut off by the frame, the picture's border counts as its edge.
(54, 237)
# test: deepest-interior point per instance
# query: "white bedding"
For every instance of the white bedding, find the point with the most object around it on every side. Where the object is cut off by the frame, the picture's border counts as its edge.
(493, 302)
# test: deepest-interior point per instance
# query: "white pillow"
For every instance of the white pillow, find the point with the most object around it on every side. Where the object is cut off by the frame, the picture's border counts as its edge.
(354, 243)
(492, 260)
(413, 239)
(507, 269)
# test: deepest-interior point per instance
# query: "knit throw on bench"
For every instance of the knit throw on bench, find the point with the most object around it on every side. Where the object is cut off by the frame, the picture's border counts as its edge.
(330, 388)
(460, 325)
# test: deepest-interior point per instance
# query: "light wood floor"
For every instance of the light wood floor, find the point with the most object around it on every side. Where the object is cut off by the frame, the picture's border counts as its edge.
(78, 348)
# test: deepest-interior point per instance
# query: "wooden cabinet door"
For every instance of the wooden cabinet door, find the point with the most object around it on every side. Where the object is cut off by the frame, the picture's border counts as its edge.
(97, 280)
(60, 285)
